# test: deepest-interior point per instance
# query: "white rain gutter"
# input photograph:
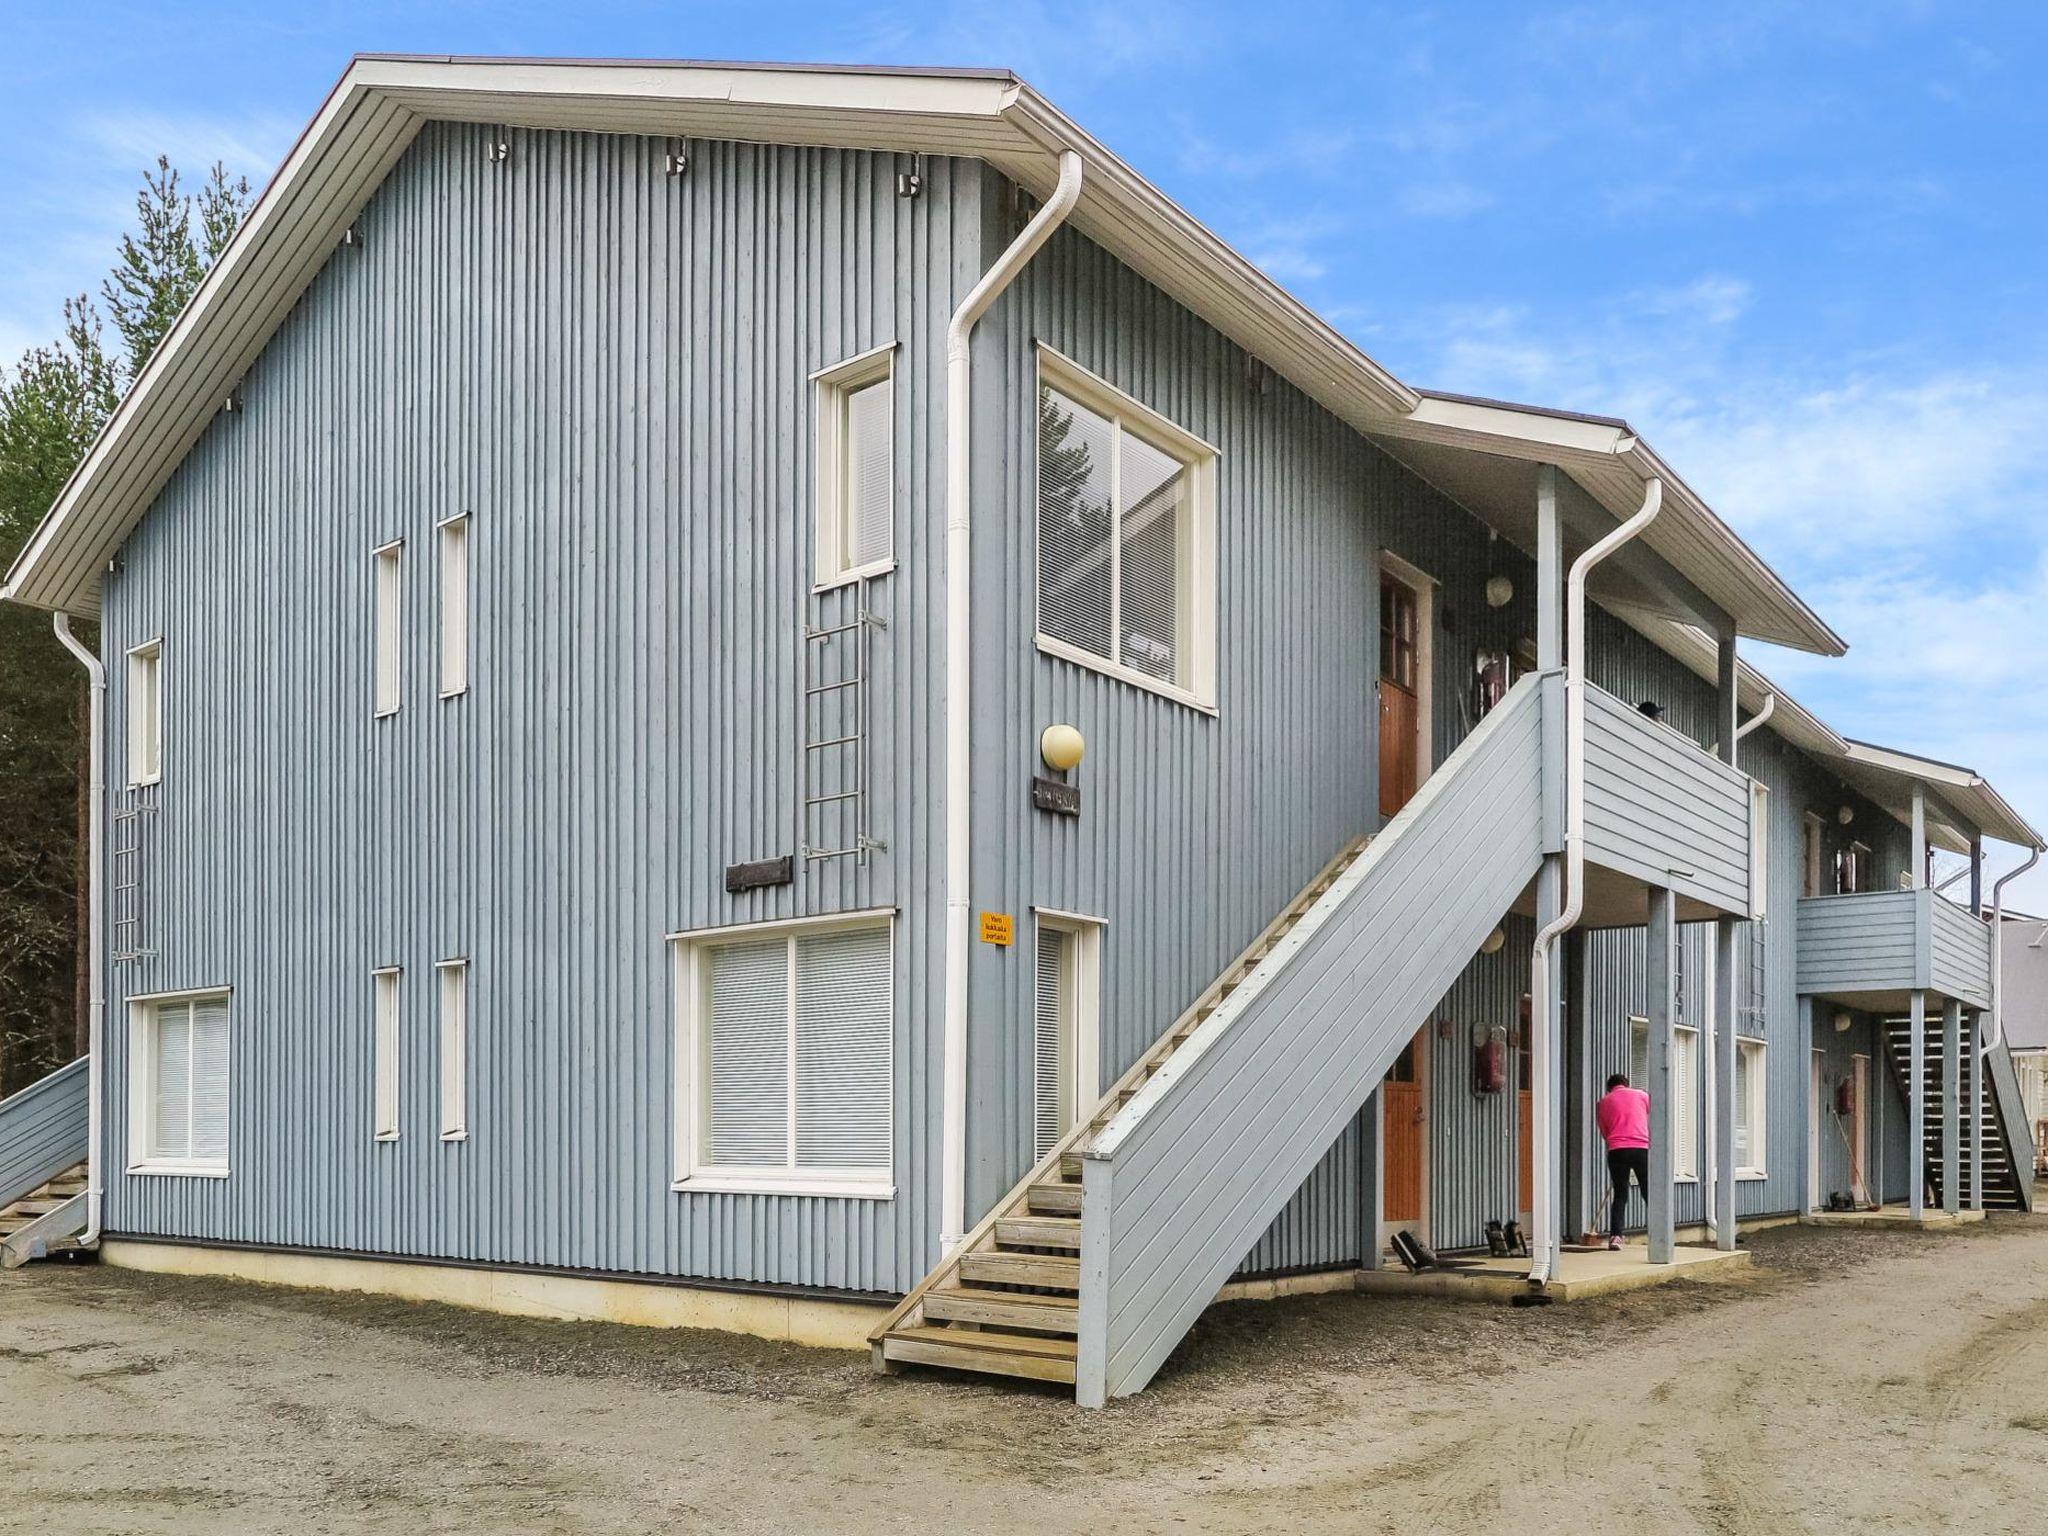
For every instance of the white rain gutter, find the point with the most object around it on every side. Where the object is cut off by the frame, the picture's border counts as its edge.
(959, 580)
(1542, 1133)
(96, 963)
(1757, 719)
(1996, 1038)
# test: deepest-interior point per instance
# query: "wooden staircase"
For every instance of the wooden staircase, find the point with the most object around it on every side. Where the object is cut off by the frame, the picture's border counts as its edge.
(41, 1202)
(2002, 1190)
(1006, 1302)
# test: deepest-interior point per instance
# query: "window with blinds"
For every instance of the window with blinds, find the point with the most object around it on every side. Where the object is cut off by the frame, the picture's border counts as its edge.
(146, 713)
(1124, 529)
(388, 639)
(856, 468)
(1749, 1107)
(789, 1039)
(454, 606)
(179, 1107)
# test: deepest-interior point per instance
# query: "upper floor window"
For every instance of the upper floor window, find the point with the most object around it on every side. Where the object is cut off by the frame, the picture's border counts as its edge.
(455, 606)
(389, 638)
(784, 1058)
(178, 1085)
(1126, 536)
(146, 713)
(1852, 869)
(1813, 856)
(856, 468)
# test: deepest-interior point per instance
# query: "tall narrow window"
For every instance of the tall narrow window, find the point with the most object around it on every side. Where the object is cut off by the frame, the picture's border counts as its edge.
(178, 1106)
(454, 982)
(1749, 1108)
(1063, 1028)
(454, 606)
(1813, 856)
(389, 641)
(856, 468)
(146, 713)
(785, 1059)
(1759, 848)
(1685, 1088)
(1126, 530)
(384, 1055)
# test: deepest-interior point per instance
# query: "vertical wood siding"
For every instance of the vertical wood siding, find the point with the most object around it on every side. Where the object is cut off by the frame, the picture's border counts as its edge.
(607, 368)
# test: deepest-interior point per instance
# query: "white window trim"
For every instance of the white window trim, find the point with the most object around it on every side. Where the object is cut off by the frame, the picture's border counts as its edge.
(151, 651)
(1759, 1104)
(444, 529)
(1201, 459)
(686, 948)
(831, 387)
(379, 627)
(383, 1067)
(451, 1033)
(1087, 981)
(1637, 1021)
(142, 1085)
(1759, 849)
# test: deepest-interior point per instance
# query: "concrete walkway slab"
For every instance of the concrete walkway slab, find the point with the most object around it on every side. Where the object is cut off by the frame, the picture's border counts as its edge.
(1581, 1274)
(1897, 1219)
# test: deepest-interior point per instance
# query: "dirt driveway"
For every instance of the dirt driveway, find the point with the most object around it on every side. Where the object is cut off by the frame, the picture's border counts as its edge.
(1857, 1381)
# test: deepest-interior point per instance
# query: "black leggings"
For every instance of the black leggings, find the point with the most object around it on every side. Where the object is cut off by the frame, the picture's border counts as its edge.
(1621, 1162)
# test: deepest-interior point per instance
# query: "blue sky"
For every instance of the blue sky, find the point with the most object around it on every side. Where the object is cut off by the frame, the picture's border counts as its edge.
(1798, 246)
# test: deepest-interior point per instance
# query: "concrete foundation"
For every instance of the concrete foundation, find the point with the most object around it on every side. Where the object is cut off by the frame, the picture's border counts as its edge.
(1580, 1275)
(1897, 1219)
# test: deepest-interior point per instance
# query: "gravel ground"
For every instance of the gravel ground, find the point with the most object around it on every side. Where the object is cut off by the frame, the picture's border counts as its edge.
(1851, 1381)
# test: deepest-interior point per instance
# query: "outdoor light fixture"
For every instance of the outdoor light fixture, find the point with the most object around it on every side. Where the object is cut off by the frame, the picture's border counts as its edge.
(1061, 746)
(1846, 814)
(1499, 591)
(1842, 1023)
(1491, 944)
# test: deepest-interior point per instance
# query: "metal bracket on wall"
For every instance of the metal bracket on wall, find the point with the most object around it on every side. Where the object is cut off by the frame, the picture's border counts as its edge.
(353, 235)
(500, 146)
(911, 182)
(677, 161)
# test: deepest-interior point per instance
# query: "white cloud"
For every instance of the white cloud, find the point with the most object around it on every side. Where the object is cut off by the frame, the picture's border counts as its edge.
(1444, 200)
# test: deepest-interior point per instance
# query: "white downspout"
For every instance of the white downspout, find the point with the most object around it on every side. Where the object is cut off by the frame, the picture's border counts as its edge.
(1542, 1133)
(959, 580)
(1757, 719)
(1996, 1037)
(96, 961)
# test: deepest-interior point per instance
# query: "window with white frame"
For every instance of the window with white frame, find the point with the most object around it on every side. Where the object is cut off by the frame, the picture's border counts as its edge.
(1064, 1005)
(389, 638)
(146, 713)
(384, 1054)
(856, 468)
(1685, 1088)
(178, 1077)
(455, 606)
(1759, 848)
(1749, 1109)
(453, 977)
(1126, 536)
(784, 1053)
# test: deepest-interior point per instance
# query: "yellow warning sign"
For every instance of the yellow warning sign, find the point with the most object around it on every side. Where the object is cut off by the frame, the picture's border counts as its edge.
(995, 928)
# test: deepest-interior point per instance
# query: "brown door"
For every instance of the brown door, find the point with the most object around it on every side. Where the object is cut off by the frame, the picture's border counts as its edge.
(1525, 1140)
(1401, 1136)
(1398, 683)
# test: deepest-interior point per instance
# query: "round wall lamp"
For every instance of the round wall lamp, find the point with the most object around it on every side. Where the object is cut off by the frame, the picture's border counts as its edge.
(1842, 1023)
(1846, 814)
(1062, 747)
(1499, 591)
(1491, 944)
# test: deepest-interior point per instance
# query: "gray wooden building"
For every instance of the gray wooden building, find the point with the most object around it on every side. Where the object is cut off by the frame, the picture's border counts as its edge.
(781, 698)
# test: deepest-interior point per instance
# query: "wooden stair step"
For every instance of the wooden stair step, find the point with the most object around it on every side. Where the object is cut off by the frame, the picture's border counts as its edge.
(1070, 1165)
(999, 1354)
(1003, 1309)
(1054, 1199)
(1039, 1232)
(33, 1207)
(1040, 1269)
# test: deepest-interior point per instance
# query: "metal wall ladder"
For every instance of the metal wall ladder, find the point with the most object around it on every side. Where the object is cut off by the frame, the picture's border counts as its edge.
(835, 821)
(133, 828)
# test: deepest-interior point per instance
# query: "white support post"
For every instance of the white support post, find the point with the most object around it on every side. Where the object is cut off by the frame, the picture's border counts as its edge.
(1916, 1107)
(1723, 1004)
(1951, 1106)
(1663, 1010)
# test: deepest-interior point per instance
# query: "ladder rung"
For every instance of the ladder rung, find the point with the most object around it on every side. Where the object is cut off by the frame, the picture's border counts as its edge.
(844, 794)
(836, 741)
(851, 682)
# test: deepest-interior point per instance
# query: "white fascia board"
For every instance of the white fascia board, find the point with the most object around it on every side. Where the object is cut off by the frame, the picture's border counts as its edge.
(1968, 793)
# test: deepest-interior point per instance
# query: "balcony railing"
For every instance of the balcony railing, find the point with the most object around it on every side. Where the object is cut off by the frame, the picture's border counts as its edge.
(1874, 945)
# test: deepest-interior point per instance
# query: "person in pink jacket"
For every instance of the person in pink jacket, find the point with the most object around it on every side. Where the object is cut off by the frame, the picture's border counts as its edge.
(1624, 1115)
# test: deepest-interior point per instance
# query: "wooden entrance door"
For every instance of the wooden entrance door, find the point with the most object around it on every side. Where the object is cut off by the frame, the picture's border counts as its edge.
(1400, 681)
(1401, 1129)
(1525, 1134)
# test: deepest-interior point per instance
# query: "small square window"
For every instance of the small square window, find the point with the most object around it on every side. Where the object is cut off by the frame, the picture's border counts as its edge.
(856, 468)
(146, 713)
(178, 1085)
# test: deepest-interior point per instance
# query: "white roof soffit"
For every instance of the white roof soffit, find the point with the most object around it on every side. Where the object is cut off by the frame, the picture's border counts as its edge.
(1696, 650)
(377, 107)
(1613, 464)
(1958, 799)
